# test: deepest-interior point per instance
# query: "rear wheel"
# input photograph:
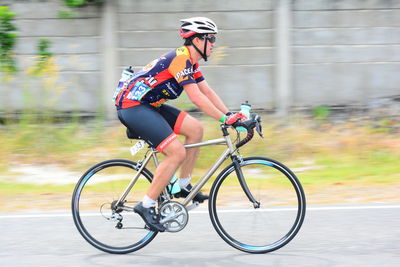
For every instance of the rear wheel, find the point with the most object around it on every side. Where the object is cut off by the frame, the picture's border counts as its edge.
(247, 226)
(105, 225)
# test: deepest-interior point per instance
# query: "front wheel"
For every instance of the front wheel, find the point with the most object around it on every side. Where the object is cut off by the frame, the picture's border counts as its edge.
(272, 220)
(104, 224)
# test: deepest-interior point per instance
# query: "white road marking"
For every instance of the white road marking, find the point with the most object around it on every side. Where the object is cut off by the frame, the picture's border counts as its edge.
(309, 208)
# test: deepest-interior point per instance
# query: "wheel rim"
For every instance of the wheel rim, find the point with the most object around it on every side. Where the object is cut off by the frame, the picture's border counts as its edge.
(268, 228)
(92, 209)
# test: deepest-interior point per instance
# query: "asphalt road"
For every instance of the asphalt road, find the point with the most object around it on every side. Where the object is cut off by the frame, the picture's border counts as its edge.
(366, 235)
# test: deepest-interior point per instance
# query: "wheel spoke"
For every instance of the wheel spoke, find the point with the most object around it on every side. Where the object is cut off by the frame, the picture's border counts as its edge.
(107, 226)
(257, 228)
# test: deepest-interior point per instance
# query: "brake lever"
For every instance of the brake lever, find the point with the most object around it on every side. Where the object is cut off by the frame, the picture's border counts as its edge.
(253, 122)
(259, 130)
(258, 126)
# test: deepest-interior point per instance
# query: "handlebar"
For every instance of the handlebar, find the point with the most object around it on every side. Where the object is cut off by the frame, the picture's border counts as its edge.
(253, 122)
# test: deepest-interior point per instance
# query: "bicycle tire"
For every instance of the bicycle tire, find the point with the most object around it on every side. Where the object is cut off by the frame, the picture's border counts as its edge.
(264, 229)
(98, 230)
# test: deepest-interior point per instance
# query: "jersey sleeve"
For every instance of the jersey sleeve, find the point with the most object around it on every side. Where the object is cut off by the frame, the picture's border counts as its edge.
(197, 74)
(182, 70)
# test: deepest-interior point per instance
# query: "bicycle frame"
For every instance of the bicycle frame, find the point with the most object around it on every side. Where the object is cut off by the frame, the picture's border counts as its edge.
(240, 175)
(196, 188)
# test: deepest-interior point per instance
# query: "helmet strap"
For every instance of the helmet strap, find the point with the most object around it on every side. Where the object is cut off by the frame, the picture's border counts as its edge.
(203, 54)
(205, 50)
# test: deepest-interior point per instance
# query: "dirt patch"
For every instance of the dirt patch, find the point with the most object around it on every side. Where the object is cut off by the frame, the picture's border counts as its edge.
(352, 194)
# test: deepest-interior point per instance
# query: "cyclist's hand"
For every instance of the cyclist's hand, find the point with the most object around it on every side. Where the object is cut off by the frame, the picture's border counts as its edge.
(231, 119)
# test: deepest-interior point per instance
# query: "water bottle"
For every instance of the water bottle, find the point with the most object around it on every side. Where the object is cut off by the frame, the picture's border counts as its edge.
(245, 110)
(173, 186)
(126, 74)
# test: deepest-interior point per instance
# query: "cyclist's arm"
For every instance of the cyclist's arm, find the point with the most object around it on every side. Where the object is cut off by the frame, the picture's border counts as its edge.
(197, 97)
(212, 96)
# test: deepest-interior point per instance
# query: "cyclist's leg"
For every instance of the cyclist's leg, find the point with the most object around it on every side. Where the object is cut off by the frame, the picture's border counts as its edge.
(151, 126)
(186, 125)
(174, 156)
(192, 129)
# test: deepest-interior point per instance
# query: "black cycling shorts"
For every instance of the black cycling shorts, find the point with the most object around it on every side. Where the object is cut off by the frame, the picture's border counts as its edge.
(158, 126)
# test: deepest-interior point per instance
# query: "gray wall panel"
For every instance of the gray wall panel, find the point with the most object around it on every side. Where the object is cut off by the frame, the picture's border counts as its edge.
(170, 21)
(344, 4)
(347, 18)
(221, 56)
(339, 52)
(58, 27)
(171, 39)
(85, 62)
(344, 83)
(345, 52)
(50, 8)
(342, 54)
(239, 83)
(346, 36)
(72, 91)
(60, 45)
(155, 6)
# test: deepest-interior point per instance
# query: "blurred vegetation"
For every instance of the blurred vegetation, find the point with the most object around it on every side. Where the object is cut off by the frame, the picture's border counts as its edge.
(353, 151)
(66, 14)
(73, 4)
(80, 3)
(44, 64)
(335, 162)
(7, 42)
(321, 112)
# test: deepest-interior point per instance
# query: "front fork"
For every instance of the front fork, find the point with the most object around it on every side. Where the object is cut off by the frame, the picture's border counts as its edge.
(238, 169)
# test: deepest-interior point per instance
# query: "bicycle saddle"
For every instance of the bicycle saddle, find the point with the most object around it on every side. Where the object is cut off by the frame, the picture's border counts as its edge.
(131, 134)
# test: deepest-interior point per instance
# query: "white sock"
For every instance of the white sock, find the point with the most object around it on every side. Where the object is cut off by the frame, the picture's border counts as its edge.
(183, 182)
(148, 202)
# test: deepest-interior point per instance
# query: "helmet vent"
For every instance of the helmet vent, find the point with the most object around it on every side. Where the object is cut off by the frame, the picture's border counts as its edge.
(200, 25)
(204, 28)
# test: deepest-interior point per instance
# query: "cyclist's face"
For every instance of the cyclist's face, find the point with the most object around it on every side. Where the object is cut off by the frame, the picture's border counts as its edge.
(211, 38)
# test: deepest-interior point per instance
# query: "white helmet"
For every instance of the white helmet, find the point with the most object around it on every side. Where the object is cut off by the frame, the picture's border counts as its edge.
(192, 26)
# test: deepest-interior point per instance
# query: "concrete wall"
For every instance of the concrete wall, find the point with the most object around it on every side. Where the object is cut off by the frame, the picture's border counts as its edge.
(76, 44)
(345, 52)
(242, 65)
(278, 54)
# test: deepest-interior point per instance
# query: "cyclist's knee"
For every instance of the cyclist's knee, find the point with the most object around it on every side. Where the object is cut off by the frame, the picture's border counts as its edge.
(198, 130)
(192, 129)
(175, 151)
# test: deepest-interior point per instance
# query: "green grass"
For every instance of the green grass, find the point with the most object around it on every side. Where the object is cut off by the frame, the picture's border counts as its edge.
(350, 152)
(350, 170)
(12, 188)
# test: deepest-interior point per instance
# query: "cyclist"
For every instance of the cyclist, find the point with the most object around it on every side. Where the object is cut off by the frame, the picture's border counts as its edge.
(141, 109)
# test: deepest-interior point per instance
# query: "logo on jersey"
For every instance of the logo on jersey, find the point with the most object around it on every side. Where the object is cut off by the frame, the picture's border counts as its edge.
(150, 65)
(151, 80)
(183, 73)
(169, 86)
(182, 51)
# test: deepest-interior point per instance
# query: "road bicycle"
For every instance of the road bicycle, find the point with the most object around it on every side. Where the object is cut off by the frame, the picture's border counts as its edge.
(256, 204)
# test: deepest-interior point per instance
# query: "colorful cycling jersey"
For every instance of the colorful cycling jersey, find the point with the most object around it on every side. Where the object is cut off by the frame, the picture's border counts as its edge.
(160, 80)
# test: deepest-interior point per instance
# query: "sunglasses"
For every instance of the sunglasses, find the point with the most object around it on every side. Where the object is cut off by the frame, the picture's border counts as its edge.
(211, 38)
